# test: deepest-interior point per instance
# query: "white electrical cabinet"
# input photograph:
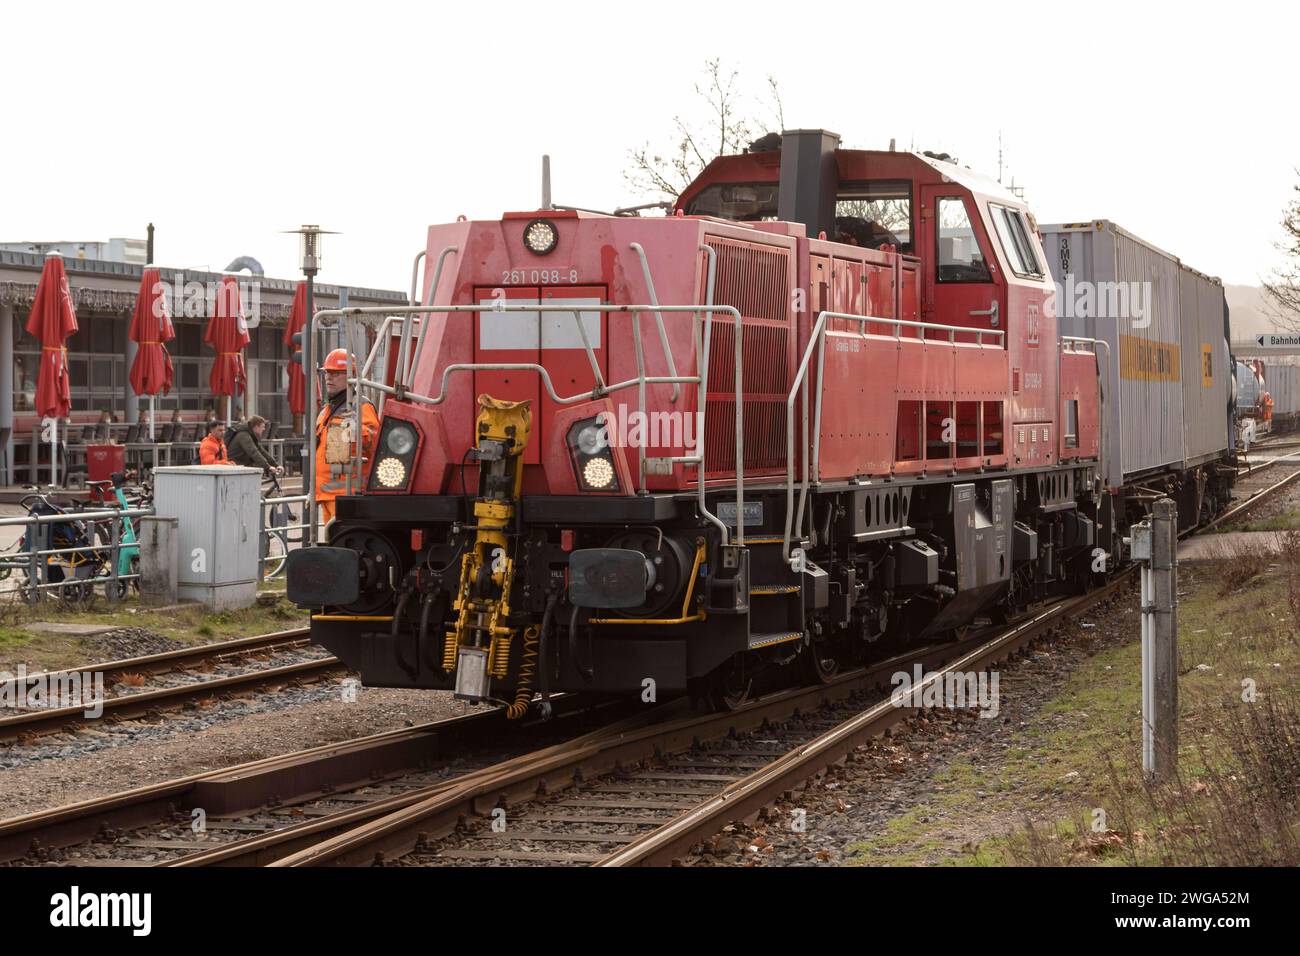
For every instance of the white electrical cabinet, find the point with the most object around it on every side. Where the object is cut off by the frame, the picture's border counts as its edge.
(216, 507)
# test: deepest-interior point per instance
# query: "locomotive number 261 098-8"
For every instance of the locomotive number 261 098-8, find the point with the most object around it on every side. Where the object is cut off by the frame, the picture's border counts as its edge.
(538, 276)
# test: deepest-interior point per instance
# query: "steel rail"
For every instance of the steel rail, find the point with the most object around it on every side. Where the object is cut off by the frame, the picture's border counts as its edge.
(520, 781)
(316, 770)
(180, 657)
(761, 788)
(48, 720)
(1236, 511)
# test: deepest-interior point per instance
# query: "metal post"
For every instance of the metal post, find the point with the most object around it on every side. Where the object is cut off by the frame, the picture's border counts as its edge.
(262, 542)
(7, 388)
(34, 576)
(309, 421)
(1154, 542)
(132, 410)
(1164, 638)
(115, 547)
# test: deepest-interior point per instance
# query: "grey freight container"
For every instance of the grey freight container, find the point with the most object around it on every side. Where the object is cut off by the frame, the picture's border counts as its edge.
(1282, 382)
(1113, 286)
(1207, 372)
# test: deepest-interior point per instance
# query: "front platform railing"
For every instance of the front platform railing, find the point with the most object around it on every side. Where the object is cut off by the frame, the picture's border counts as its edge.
(361, 375)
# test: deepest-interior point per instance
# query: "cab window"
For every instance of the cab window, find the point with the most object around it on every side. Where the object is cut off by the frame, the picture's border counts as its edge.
(871, 213)
(741, 202)
(959, 256)
(1016, 244)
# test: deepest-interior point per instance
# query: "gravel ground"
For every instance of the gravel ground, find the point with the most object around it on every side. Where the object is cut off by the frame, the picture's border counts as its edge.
(893, 776)
(64, 769)
(127, 642)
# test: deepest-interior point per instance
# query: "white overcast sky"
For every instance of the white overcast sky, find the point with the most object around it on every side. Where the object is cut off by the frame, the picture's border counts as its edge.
(225, 122)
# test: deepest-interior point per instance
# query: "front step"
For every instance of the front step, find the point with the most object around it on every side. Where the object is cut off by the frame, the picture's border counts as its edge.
(775, 594)
(772, 638)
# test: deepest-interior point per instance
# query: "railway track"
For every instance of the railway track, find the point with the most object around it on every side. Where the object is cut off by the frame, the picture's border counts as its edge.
(258, 811)
(1244, 506)
(646, 795)
(183, 673)
(640, 790)
(654, 796)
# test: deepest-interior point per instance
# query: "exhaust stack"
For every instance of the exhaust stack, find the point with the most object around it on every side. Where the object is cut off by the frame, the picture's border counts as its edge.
(809, 179)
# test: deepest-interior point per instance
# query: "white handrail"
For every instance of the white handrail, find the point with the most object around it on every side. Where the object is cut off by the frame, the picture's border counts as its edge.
(817, 340)
(360, 381)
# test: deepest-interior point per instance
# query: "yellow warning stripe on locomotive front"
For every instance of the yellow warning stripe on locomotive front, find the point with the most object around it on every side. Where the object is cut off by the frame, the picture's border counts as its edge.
(1143, 360)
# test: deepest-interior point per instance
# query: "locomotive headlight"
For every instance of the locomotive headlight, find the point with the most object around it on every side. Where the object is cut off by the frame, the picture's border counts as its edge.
(540, 237)
(598, 473)
(395, 455)
(592, 439)
(400, 440)
(390, 472)
(593, 459)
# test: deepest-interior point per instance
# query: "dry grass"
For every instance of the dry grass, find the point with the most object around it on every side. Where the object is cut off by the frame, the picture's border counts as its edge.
(1235, 797)
(1241, 563)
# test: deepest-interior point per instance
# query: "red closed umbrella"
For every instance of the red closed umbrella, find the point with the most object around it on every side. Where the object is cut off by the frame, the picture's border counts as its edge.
(227, 333)
(151, 329)
(52, 321)
(297, 380)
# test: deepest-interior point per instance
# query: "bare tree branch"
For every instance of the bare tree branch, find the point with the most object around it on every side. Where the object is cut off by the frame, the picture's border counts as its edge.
(725, 123)
(1282, 294)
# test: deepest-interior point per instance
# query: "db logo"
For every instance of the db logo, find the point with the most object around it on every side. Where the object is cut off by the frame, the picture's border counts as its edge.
(1032, 325)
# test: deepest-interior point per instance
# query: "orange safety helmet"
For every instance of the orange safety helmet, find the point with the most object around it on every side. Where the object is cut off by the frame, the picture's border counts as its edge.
(336, 361)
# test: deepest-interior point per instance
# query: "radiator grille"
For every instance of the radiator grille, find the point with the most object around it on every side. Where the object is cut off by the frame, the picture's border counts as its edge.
(755, 280)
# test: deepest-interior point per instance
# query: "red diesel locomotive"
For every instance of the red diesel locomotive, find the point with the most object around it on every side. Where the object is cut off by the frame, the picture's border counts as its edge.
(822, 409)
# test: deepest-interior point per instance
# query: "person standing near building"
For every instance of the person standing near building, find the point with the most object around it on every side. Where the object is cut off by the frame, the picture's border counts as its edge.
(336, 446)
(212, 450)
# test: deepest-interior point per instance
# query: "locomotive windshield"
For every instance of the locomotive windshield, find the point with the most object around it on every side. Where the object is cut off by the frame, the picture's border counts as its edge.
(1015, 240)
(867, 214)
(741, 202)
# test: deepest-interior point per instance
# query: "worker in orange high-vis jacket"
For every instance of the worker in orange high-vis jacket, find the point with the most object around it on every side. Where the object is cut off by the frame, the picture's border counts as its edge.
(337, 470)
(212, 450)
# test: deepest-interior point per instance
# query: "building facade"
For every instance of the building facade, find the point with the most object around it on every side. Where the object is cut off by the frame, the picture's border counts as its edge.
(100, 355)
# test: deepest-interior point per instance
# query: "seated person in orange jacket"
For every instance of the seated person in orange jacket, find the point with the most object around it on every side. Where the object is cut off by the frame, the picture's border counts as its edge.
(212, 450)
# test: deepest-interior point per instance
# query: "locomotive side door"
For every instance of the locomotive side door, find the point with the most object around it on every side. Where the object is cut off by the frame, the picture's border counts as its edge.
(962, 283)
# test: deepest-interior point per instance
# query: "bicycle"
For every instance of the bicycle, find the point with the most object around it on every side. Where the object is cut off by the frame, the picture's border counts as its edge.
(128, 554)
(277, 532)
(73, 571)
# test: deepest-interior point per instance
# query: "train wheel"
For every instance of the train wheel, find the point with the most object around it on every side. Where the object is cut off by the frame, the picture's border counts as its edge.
(820, 661)
(730, 686)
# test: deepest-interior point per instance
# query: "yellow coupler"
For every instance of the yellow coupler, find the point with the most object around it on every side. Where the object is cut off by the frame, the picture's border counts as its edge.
(487, 570)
